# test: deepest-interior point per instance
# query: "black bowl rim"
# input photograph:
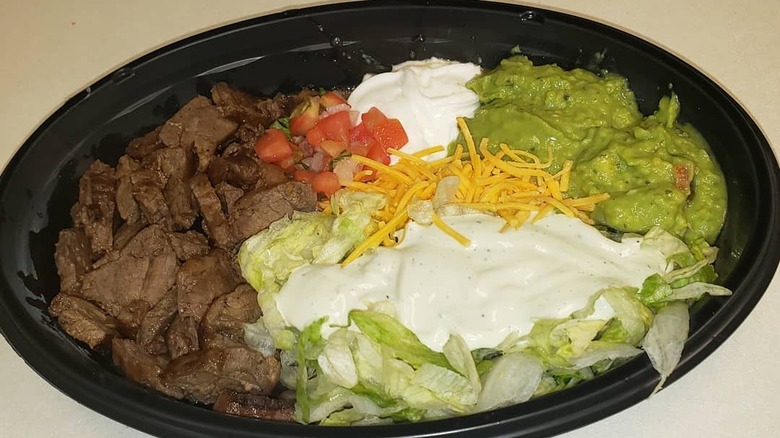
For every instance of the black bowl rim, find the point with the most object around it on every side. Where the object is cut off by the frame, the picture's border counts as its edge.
(631, 383)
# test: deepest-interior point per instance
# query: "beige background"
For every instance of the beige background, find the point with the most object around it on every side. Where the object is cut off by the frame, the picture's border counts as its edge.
(51, 49)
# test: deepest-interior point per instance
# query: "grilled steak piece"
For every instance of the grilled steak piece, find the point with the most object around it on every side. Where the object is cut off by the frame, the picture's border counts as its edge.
(95, 210)
(255, 406)
(144, 145)
(170, 162)
(228, 195)
(115, 284)
(202, 279)
(129, 318)
(271, 175)
(178, 196)
(149, 242)
(143, 270)
(125, 203)
(215, 224)
(147, 192)
(155, 324)
(239, 170)
(188, 245)
(182, 336)
(198, 127)
(256, 210)
(125, 233)
(84, 321)
(246, 109)
(202, 375)
(223, 324)
(141, 366)
(73, 257)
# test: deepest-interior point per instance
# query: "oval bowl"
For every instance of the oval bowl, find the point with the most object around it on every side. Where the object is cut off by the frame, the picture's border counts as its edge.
(332, 46)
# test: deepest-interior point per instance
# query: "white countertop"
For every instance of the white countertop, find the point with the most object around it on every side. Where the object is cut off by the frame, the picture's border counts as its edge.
(50, 49)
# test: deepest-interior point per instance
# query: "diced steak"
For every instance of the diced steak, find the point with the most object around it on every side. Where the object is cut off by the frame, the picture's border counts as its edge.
(178, 196)
(182, 336)
(83, 320)
(171, 162)
(115, 284)
(215, 224)
(245, 109)
(198, 127)
(238, 170)
(130, 317)
(188, 245)
(271, 175)
(202, 279)
(228, 195)
(125, 233)
(125, 166)
(147, 191)
(155, 323)
(160, 277)
(143, 146)
(125, 203)
(143, 270)
(223, 324)
(73, 257)
(141, 366)
(95, 210)
(202, 375)
(256, 210)
(255, 406)
(149, 242)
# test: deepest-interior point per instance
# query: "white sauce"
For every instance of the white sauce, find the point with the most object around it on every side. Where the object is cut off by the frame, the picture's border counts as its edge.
(501, 283)
(426, 96)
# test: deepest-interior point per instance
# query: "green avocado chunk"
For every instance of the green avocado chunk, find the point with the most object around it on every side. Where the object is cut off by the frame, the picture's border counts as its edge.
(656, 170)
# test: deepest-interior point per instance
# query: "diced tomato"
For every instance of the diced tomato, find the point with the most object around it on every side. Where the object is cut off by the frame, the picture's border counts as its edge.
(373, 118)
(377, 153)
(681, 177)
(336, 126)
(390, 134)
(332, 147)
(360, 141)
(315, 136)
(273, 146)
(331, 98)
(326, 182)
(305, 117)
(304, 175)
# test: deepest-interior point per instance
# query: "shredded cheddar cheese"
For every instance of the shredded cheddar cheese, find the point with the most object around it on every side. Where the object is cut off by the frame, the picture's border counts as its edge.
(512, 184)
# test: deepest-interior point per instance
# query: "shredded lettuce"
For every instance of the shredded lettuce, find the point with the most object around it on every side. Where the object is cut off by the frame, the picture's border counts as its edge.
(376, 370)
(268, 258)
(665, 339)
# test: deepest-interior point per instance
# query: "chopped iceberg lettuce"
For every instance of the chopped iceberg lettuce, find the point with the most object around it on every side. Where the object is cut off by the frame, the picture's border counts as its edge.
(376, 370)
(665, 339)
(268, 258)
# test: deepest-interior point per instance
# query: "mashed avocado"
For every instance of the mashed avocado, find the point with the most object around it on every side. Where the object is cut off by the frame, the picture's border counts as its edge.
(657, 171)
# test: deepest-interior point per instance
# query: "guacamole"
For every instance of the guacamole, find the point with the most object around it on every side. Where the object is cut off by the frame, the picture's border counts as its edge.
(657, 171)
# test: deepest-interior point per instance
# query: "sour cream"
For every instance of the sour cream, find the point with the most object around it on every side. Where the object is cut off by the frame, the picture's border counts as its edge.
(500, 284)
(426, 96)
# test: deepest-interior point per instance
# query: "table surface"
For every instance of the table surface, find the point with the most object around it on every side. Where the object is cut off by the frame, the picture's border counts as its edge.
(50, 49)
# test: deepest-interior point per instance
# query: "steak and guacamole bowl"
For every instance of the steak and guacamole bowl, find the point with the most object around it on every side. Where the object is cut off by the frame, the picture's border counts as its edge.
(400, 220)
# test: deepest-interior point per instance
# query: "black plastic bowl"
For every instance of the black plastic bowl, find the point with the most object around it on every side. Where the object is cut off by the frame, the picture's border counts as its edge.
(332, 46)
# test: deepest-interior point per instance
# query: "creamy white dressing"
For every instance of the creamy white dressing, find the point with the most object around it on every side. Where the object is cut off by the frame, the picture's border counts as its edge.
(501, 283)
(426, 96)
